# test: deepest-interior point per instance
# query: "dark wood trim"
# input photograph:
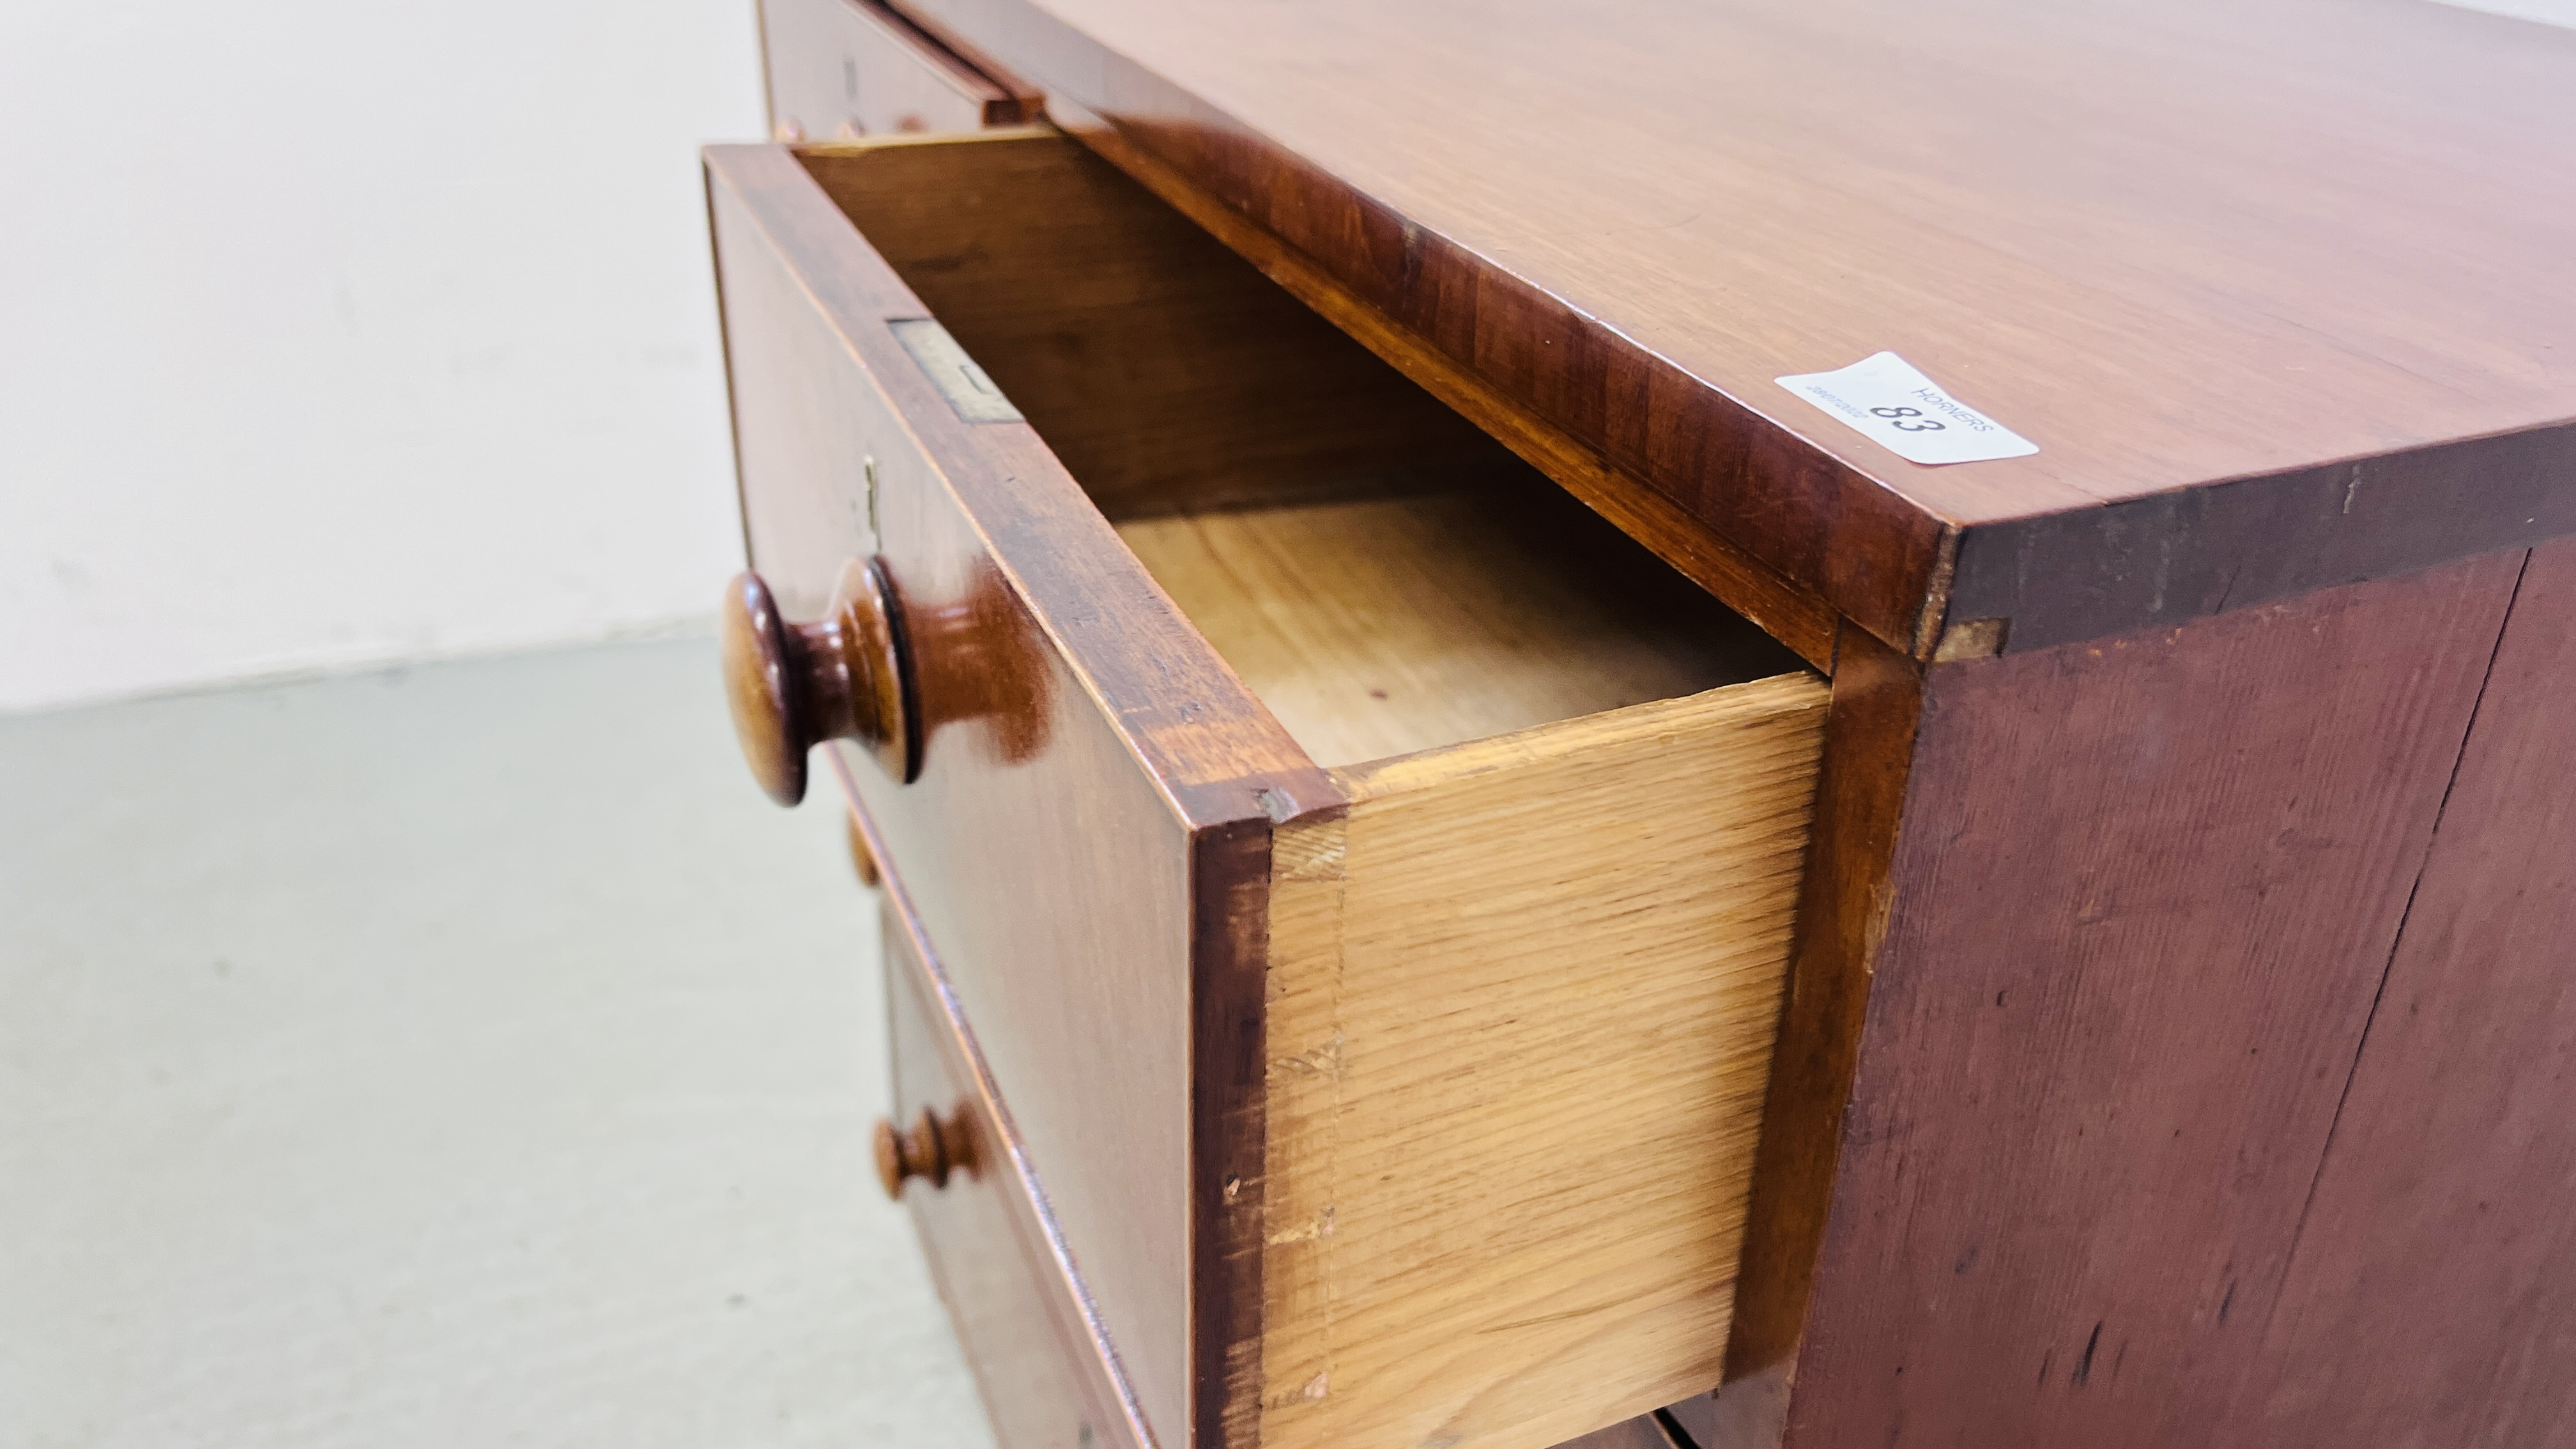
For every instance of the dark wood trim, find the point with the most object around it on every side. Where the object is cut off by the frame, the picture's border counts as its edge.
(1869, 746)
(2194, 552)
(1229, 890)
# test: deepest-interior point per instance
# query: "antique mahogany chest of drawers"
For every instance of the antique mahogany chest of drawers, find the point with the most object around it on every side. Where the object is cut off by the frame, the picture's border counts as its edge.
(1464, 868)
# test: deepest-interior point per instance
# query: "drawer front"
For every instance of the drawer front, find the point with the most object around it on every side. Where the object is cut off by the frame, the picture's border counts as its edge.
(1090, 777)
(1047, 1381)
(841, 69)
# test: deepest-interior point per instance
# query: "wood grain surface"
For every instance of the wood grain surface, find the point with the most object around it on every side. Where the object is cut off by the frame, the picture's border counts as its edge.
(1842, 919)
(2144, 895)
(2208, 259)
(2429, 1298)
(1051, 855)
(1012, 1292)
(1382, 627)
(2276, 287)
(1162, 369)
(1522, 1003)
(1795, 616)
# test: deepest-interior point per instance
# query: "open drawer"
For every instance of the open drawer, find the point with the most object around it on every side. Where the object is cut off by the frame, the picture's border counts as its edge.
(1368, 874)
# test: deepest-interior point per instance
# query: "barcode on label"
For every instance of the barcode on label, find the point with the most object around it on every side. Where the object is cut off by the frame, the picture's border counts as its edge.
(1885, 399)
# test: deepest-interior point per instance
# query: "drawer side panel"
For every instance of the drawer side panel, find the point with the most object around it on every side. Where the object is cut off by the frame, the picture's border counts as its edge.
(1523, 1001)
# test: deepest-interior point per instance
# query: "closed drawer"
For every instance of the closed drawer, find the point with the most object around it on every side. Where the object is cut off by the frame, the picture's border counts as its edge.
(1047, 1381)
(1369, 875)
(849, 68)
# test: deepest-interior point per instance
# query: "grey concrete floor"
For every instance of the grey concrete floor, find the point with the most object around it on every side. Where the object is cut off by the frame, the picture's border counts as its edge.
(464, 1056)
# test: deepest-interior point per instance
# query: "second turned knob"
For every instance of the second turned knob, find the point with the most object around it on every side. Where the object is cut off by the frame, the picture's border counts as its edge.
(929, 1149)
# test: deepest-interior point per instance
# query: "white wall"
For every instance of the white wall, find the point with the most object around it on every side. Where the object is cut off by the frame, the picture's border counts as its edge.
(335, 332)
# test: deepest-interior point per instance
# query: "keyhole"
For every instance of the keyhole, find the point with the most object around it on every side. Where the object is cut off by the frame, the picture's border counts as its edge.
(876, 536)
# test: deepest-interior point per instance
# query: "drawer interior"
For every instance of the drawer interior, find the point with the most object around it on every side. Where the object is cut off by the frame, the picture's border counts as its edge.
(1390, 625)
(1383, 576)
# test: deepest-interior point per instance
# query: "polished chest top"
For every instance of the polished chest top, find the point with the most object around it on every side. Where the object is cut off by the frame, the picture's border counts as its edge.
(2209, 257)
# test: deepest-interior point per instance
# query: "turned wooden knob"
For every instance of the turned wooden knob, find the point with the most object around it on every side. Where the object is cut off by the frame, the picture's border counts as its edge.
(929, 1149)
(794, 686)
